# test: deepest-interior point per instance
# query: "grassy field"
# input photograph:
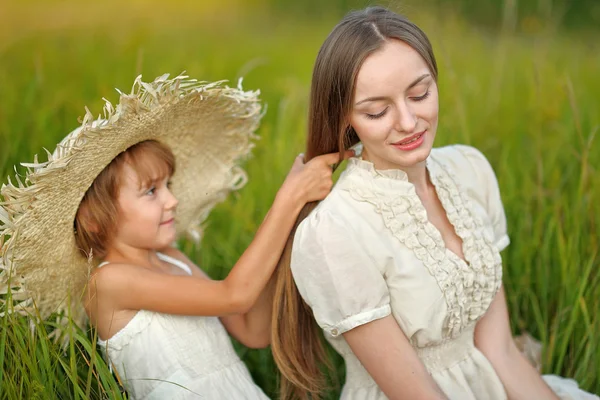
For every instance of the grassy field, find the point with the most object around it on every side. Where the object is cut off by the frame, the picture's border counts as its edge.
(525, 92)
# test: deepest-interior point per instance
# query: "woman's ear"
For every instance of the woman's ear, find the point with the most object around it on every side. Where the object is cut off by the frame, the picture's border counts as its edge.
(351, 139)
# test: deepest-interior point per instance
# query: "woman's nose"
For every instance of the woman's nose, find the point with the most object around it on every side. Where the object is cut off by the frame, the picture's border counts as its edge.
(406, 120)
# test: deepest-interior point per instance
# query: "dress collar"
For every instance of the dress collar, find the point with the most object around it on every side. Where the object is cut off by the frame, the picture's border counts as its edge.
(357, 165)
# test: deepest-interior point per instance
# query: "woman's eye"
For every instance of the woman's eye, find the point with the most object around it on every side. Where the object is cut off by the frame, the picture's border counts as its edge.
(375, 116)
(421, 98)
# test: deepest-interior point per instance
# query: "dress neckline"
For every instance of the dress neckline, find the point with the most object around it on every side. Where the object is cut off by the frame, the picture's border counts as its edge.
(396, 178)
(395, 199)
(368, 166)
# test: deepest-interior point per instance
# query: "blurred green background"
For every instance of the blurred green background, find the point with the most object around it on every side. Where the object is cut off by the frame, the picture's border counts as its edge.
(518, 79)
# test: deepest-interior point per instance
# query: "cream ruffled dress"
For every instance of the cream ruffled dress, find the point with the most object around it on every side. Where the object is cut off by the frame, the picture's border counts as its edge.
(368, 251)
(161, 356)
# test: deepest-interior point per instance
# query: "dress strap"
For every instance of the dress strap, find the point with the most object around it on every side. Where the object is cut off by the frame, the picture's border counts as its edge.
(165, 258)
(175, 262)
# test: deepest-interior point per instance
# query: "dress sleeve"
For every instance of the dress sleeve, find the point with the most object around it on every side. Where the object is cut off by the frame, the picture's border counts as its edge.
(336, 276)
(490, 192)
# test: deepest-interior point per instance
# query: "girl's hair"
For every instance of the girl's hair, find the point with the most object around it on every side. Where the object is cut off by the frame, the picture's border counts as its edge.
(296, 342)
(96, 217)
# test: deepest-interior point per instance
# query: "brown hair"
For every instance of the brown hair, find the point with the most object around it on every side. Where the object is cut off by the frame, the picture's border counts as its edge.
(296, 342)
(96, 217)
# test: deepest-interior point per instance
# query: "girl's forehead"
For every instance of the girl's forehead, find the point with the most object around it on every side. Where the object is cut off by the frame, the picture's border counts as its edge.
(128, 177)
(146, 168)
(140, 177)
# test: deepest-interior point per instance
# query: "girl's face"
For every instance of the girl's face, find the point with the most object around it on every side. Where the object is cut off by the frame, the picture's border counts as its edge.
(395, 107)
(146, 212)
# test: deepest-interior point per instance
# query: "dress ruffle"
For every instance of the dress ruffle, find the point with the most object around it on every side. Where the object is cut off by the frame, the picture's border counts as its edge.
(468, 286)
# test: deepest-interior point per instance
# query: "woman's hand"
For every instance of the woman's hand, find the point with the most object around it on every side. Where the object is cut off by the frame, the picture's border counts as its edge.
(311, 181)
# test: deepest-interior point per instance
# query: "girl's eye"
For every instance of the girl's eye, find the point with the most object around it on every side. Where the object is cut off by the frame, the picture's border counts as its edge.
(375, 116)
(151, 191)
(169, 183)
(421, 98)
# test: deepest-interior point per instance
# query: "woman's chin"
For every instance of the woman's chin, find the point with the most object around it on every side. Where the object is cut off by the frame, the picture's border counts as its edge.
(413, 158)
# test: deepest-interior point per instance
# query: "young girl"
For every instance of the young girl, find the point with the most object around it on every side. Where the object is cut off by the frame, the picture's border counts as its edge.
(155, 312)
(401, 263)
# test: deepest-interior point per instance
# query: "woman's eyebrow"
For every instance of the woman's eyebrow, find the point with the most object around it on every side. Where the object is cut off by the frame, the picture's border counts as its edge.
(416, 81)
(377, 98)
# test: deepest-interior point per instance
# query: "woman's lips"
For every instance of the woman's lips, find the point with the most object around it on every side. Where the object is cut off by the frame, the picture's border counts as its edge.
(411, 142)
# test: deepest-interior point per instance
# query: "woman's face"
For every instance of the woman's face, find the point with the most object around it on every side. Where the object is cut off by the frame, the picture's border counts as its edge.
(395, 107)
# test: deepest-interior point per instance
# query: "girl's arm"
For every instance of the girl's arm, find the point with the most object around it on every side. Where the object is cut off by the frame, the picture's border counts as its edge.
(388, 356)
(134, 287)
(252, 329)
(494, 339)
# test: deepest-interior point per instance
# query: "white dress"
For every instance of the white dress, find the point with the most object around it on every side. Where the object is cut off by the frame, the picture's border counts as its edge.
(161, 356)
(368, 251)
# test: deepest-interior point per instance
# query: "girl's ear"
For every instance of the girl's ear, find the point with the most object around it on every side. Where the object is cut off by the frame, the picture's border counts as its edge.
(86, 220)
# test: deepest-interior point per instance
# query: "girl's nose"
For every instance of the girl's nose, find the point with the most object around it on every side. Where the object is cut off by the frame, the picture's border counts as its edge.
(171, 201)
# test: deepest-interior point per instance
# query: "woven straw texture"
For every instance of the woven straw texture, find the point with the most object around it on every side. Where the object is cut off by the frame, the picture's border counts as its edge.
(210, 128)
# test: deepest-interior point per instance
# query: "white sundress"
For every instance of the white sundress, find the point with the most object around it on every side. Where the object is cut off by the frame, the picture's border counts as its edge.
(161, 356)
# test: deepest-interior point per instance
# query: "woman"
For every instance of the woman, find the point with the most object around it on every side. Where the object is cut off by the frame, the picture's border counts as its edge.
(400, 264)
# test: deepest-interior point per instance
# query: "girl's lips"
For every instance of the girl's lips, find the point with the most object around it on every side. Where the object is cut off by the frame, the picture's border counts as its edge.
(168, 221)
(411, 143)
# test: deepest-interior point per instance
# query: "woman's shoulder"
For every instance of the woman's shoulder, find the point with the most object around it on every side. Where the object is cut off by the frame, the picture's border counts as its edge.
(463, 159)
(319, 220)
(467, 165)
(330, 221)
(331, 213)
(473, 177)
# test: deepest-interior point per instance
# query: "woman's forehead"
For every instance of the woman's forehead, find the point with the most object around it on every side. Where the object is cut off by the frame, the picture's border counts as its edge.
(394, 67)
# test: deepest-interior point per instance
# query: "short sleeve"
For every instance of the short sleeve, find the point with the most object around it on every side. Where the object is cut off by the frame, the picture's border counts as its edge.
(335, 275)
(490, 193)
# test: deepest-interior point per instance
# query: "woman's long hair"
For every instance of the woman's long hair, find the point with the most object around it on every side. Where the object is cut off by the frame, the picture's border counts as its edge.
(297, 345)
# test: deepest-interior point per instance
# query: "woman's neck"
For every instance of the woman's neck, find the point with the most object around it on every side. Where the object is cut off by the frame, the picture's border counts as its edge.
(416, 174)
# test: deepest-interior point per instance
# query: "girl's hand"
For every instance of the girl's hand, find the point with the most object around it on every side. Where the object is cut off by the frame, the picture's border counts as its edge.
(312, 181)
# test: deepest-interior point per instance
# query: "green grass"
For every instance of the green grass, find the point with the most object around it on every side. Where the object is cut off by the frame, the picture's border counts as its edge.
(526, 94)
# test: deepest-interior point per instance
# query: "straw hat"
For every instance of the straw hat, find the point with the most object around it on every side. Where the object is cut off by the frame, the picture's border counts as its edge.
(208, 126)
